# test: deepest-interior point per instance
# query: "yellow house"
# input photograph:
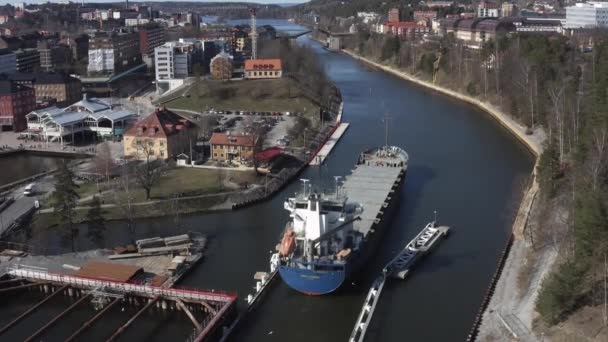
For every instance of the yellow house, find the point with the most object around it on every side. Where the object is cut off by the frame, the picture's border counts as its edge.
(227, 147)
(161, 135)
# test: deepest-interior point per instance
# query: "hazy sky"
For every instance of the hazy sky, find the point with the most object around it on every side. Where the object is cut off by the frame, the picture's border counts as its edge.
(256, 1)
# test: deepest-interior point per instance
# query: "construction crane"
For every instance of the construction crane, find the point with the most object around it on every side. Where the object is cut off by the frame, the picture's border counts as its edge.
(253, 35)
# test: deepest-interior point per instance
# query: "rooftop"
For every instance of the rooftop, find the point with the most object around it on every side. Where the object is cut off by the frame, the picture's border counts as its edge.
(108, 271)
(8, 87)
(263, 64)
(232, 140)
(161, 123)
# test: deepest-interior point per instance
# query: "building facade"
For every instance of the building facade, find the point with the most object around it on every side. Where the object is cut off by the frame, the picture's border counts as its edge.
(263, 68)
(27, 60)
(151, 36)
(113, 52)
(8, 62)
(587, 15)
(16, 101)
(60, 88)
(173, 63)
(488, 9)
(221, 66)
(161, 135)
(228, 147)
(394, 15)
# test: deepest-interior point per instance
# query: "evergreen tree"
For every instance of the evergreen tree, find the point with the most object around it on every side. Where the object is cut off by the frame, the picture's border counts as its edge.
(65, 199)
(95, 222)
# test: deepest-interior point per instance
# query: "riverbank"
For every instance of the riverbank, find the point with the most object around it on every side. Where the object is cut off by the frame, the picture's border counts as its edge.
(503, 292)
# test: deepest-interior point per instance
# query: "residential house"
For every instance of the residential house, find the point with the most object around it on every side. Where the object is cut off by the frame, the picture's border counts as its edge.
(229, 147)
(161, 135)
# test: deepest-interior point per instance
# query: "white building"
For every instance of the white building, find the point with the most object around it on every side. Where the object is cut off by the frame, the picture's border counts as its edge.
(136, 21)
(173, 63)
(90, 114)
(587, 15)
(8, 62)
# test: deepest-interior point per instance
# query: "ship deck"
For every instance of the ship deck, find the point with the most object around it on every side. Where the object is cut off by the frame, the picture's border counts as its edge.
(371, 186)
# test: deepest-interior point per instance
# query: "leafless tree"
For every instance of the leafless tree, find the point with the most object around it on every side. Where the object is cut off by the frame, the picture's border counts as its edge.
(596, 164)
(124, 197)
(103, 162)
(148, 171)
(556, 93)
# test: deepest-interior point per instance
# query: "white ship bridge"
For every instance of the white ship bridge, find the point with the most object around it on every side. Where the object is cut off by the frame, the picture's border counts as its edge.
(90, 114)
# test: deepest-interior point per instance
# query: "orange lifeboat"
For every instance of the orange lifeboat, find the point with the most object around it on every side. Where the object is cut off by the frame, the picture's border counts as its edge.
(288, 244)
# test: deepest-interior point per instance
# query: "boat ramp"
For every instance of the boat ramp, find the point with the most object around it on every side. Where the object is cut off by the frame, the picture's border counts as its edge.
(399, 267)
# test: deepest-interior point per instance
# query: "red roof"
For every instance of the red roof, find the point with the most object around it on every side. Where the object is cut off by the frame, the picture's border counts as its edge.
(232, 140)
(263, 64)
(108, 271)
(268, 154)
(160, 124)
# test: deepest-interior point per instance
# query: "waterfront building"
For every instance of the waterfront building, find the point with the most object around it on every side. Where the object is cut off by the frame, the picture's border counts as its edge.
(487, 9)
(587, 15)
(8, 62)
(16, 101)
(161, 135)
(87, 116)
(229, 147)
(394, 15)
(113, 52)
(173, 62)
(27, 60)
(263, 68)
(221, 66)
(51, 87)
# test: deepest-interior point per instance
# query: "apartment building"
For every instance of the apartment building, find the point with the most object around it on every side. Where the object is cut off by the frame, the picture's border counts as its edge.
(113, 52)
(173, 63)
(16, 101)
(587, 15)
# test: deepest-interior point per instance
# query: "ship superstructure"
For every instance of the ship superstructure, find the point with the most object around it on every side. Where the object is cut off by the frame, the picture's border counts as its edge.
(329, 236)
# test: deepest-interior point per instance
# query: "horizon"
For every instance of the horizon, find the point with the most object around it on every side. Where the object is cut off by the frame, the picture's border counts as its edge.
(265, 2)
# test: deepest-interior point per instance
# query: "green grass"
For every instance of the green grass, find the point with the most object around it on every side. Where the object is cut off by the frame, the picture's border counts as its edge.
(280, 95)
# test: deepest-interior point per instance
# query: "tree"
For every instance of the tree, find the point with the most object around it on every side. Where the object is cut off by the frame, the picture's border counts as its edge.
(390, 47)
(124, 197)
(148, 171)
(66, 198)
(95, 222)
(103, 161)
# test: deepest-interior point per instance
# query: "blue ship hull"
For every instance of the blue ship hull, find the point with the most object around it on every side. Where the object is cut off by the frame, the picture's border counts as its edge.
(312, 282)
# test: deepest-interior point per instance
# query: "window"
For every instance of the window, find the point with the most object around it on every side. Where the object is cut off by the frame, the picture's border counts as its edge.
(215, 154)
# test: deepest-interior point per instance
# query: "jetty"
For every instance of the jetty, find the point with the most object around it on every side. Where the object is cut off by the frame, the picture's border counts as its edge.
(329, 144)
(399, 267)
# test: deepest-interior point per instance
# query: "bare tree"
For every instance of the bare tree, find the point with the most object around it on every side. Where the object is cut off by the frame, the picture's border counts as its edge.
(124, 197)
(103, 162)
(556, 93)
(597, 155)
(148, 171)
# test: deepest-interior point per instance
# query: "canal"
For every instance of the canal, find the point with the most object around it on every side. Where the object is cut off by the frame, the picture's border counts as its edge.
(19, 165)
(462, 164)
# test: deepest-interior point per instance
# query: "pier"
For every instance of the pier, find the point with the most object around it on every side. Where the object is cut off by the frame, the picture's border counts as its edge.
(399, 267)
(329, 144)
(208, 310)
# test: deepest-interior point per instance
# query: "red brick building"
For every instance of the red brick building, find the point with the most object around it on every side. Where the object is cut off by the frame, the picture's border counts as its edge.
(150, 36)
(15, 102)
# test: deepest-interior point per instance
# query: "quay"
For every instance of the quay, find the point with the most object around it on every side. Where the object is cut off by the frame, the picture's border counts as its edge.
(144, 280)
(329, 144)
(398, 267)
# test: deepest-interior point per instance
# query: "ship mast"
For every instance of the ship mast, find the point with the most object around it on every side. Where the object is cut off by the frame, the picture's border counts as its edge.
(386, 119)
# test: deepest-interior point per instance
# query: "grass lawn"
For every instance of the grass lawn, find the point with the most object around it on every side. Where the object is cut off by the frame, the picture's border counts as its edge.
(282, 95)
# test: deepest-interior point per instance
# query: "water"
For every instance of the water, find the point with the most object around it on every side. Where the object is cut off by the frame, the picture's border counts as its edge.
(462, 164)
(16, 166)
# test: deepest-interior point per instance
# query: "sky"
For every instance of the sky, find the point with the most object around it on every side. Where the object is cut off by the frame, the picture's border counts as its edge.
(255, 1)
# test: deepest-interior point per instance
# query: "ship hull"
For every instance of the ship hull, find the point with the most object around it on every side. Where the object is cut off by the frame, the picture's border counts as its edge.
(313, 282)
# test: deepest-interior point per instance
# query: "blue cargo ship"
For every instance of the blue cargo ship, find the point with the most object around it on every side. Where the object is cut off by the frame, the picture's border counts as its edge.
(330, 236)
